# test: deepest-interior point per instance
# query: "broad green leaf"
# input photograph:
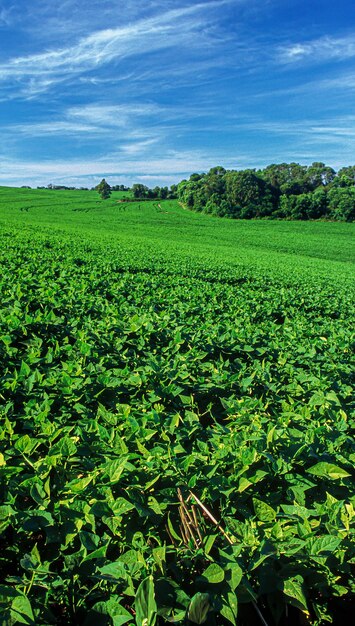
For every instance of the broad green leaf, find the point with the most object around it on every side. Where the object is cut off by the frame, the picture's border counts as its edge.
(119, 620)
(21, 610)
(25, 370)
(109, 613)
(121, 506)
(293, 588)
(172, 531)
(320, 545)
(213, 574)
(208, 543)
(96, 554)
(328, 470)
(297, 510)
(244, 483)
(6, 511)
(263, 511)
(38, 494)
(38, 519)
(145, 604)
(114, 469)
(199, 608)
(159, 556)
(115, 571)
(25, 444)
(235, 573)
(78, 485)
(229, 608)
(66, 447)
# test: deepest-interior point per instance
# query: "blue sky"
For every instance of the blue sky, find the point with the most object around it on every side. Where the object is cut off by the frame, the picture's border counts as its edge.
(151, 90)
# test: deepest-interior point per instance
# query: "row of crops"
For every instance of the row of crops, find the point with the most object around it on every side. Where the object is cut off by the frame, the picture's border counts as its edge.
(176, 436)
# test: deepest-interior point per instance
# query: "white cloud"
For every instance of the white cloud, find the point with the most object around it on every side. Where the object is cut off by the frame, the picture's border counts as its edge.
(317, 50)
(182, 27)
(6, 14)
(113, 115)
(170, 165)
(56, 127)
(339, 130)
(145, 123)
(138, 147)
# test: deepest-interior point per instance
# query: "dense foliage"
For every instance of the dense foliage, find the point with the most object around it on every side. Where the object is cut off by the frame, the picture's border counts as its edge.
(289, 191)
(104, 189)
(175, 419)
(140, 191)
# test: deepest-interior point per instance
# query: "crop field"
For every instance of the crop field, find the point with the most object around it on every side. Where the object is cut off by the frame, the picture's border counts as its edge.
(176, 415)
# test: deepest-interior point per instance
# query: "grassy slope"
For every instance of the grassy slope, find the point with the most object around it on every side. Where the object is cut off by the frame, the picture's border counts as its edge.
(222, 378)
(287, 248)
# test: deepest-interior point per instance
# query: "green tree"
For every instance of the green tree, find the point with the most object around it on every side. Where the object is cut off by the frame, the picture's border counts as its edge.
(104, 189)
(319, 175)
(140, 191)
(286, 178)
(248, 195)
(341, 204)
(345, 177)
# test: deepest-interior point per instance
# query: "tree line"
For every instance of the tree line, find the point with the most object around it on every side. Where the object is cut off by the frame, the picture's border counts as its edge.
(286, 190)
(162, 193)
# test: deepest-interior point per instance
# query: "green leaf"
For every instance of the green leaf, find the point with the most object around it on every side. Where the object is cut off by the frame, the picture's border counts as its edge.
(37, 493)
(199, 608)
(114, 571)
(21, 610)
(208, 543)
(244, 483)
(109, 613)
(235, 575)
(229, 608)
(25, 370)
(159, 556)
(65, 447)
(38, 519)
(328, 470)
(121, 506)
(6, 511)
(213, 574)
(264, 512)
(145, 604)
(172, 531)
(78, 485)
(293, 588)
(320, 545)
(24, 444)
(114, 469)
(118, 620)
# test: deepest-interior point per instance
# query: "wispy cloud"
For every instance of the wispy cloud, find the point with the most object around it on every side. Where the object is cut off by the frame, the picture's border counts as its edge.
(168, 87)
(172, 164)
(322, 49)
(182, 27)
(113, 115)
(54, 127)
(138, 147)
(336, 130)
(5, 14)
(145, 123)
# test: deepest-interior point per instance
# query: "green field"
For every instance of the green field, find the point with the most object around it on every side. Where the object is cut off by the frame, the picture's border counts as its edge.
(176, 415)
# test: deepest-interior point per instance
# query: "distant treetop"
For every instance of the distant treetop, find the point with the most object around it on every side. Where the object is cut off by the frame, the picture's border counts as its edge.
(283, 190)
(104, 189)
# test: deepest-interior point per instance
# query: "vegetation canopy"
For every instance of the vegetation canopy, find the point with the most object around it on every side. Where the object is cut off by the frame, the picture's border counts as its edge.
(286, 190)
(104, 189)
(176, 428)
